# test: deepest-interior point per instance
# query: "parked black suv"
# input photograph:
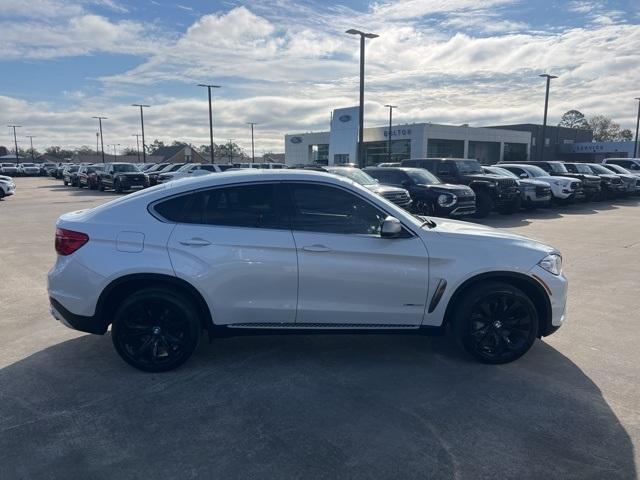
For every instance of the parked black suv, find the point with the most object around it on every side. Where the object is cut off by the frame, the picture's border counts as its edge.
(121, 177)
(492, 191)
(590, 183)
(168, 167)
(430, 195)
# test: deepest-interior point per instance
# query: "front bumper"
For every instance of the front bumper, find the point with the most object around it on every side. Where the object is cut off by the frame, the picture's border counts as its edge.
(460, 209)
(556, 287)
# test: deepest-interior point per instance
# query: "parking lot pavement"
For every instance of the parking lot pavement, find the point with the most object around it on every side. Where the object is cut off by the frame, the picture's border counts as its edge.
(328, 406)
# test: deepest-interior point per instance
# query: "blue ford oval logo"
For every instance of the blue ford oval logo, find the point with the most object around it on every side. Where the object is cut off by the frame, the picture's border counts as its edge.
(295, 139)
(344, 118)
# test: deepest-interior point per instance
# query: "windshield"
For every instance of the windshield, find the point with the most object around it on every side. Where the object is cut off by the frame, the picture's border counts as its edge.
(423, 177)
(8, 165)
(186, 167)
(28, 165)
(124, 167)
(617, 168)
(581, 168)
(354, 174)
(600, 169)
(466, 167)
(557, 168)
(501, 171)
(535, 171)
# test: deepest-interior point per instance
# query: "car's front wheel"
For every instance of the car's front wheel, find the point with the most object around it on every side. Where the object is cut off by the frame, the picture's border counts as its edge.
(495, 322)
(156, 329)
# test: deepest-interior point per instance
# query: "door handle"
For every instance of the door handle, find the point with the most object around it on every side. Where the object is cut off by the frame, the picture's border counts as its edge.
(195, 242)
(316, 248)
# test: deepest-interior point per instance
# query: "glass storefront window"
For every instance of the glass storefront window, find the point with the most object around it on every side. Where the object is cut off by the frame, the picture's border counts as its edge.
(487, 153)
(376, 152)
(439, 148)
(320, 154)
(515, 152)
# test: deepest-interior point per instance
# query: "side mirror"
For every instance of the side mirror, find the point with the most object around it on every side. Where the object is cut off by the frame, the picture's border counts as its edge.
(406, 183)
(391, 228)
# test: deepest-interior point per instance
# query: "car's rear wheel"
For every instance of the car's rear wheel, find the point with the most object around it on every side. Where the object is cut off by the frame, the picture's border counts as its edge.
(117, 186)
(100, 186)
(495, 322)
(156, 329)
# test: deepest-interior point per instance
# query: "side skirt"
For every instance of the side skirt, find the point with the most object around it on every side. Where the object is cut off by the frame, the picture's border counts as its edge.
(223, 331)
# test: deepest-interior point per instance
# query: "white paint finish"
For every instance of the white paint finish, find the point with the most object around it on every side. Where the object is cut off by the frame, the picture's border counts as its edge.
(246, 275)
(131, 242)
(361, 279)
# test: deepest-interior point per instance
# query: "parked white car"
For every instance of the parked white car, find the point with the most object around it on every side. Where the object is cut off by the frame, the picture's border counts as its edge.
(291, 250)
(189, 170)
(8, 169)
(28, 169)
(7, 186)
(563, 189)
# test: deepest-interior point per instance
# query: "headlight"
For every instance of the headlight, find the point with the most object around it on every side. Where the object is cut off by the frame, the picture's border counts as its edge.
(552, 263)
(446, 199)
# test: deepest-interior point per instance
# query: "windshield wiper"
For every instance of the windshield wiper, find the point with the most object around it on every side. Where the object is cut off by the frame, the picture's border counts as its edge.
(426, 222)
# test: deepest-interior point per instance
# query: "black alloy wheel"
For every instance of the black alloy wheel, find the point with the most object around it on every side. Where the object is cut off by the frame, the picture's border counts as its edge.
(496, 323)
(156, 330)
(117, 186)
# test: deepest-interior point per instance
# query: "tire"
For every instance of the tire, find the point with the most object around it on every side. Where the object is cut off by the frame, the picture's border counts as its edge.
(100, 186)
(1, 194)
(484, 205)
(117, 186)
(495, 322)
(65, 183)
(156, 329)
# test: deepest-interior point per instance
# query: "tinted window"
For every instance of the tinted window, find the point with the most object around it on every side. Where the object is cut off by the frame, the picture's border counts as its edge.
(389, 177)
(249, 206)
(124, 167)
(326, 209)
(557, 168)
(445, 168)
(423, 177)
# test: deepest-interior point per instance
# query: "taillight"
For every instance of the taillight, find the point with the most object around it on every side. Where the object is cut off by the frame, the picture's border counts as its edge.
(68, 241)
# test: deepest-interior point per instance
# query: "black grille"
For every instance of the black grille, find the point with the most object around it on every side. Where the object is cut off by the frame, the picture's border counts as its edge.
(616, 181)
(507, 182)
(542, 191)
(396, 197)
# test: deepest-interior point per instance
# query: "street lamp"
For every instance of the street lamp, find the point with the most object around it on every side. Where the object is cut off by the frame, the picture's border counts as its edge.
(635, 148)
(137, 135)
(363, 35)
(390, 107)
(144, 153)
(101, 138)
(253, 154)
(231, 150)
(209, 87)
(15, 140)
(546, 107)
(115, 155)
(31, 137)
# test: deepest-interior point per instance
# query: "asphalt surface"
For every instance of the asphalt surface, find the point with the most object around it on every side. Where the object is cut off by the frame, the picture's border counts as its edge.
(330, 407)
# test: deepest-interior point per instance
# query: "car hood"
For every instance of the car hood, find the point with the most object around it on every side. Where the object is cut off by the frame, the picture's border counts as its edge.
(475, 234)
(532, 183)
(128, 174)
(380, 189)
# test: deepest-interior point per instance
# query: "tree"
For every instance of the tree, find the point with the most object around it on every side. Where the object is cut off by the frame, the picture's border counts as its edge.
(626, 135)
(152, 147)
(58, 152)
(606, 130)
(178, 143)
(84, 150)
(130, 151)
(574, 119)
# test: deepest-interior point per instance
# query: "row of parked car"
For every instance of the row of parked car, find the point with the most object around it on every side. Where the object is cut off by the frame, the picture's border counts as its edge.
(25, 169)
(445, 187)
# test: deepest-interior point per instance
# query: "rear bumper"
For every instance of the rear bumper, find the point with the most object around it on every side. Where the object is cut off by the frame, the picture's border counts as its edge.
(76, 322)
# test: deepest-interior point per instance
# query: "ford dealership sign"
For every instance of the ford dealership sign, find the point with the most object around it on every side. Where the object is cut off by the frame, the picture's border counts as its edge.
(344, 118)
(295, 139)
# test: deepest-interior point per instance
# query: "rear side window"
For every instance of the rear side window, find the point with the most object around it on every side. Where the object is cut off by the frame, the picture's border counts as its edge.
(445, 168)
(248, 206)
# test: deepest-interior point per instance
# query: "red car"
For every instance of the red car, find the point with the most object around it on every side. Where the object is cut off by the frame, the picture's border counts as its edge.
(88, 176)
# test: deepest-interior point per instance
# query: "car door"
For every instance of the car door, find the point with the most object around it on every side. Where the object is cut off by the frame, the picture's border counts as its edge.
(233, 243)
(348, 273)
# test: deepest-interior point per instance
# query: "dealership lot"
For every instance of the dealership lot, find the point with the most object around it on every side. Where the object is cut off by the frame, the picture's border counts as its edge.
(326, 406)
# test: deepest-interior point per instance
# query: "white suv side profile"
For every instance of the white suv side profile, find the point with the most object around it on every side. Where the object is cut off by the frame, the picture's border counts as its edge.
(7, 186)
(258, 251)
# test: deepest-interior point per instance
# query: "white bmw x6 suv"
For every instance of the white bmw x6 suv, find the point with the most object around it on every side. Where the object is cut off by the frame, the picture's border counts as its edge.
(258, 251)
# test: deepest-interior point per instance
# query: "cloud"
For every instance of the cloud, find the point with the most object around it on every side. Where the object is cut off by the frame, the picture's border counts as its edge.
(410, 9)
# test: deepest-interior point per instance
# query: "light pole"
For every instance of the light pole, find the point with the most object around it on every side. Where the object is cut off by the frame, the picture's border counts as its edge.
(114, 145)
(101, 137)
(390, 107)
(97, 150)
(31, 137)
(635, 148)
(363, 35)
(253, 152)
(15, 140)
(546, 107)
(231, 150)
(137, 135)
(144, 153)
(209, 87)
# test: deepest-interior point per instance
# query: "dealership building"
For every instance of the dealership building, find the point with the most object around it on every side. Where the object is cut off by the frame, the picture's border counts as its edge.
(416, 140)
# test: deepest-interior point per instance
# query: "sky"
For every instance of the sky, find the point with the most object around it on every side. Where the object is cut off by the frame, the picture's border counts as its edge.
(285, 64)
